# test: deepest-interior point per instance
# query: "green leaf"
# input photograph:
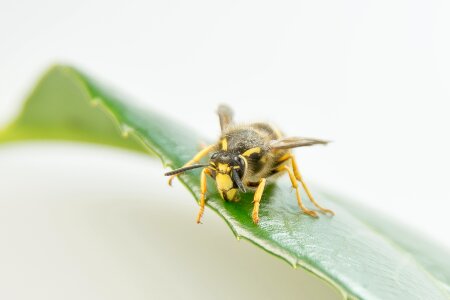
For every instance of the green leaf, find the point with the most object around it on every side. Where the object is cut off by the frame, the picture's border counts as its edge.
(357, 251)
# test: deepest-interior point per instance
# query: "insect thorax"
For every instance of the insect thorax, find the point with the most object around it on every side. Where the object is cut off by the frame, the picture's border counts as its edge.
(253, 142)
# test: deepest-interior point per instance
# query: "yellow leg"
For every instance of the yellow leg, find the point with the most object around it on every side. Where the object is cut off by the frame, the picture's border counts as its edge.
(202, 193)
(298, 176)
(295, 186)
(195, 159)
(257, 199)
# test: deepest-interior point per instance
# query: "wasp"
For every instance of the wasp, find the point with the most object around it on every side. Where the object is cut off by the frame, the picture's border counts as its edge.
(248, 157)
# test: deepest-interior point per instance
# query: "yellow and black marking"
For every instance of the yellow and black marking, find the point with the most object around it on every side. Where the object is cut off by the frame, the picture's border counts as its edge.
(224, 144)
(251, 151)
(224, 181)
(247, 157)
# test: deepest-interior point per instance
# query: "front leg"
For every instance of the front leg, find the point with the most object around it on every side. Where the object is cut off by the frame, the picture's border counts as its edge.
(202, 193)
(257, 200)
(195, 159)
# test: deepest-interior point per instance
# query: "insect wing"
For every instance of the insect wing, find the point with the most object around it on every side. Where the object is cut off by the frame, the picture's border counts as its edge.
(293, 142)
(225, 116)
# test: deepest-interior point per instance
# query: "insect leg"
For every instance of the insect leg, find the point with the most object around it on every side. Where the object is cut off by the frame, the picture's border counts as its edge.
(257, 199)
(295, 186)
(202, 193)
(195, 159)
(298, 176)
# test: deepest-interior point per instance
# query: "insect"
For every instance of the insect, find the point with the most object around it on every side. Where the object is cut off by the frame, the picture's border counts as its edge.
(247, 157)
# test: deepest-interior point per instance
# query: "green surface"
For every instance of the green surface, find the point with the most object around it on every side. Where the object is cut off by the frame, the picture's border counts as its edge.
(360, 253)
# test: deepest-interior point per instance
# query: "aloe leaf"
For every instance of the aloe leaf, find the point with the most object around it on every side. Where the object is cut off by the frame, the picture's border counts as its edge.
(358, 252)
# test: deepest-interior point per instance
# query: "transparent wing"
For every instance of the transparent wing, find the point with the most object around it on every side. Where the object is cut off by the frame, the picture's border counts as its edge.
(293, 142)
(225, 116)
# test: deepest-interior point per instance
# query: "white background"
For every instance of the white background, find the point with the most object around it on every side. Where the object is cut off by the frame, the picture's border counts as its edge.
(373, 76)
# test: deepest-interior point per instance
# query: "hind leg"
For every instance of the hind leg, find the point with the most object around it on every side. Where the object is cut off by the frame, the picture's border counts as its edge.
(298, 176)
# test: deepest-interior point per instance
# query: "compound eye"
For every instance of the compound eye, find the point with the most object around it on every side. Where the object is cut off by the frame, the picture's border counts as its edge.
(214, 155)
